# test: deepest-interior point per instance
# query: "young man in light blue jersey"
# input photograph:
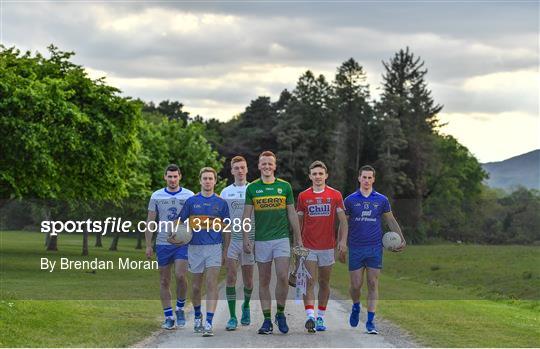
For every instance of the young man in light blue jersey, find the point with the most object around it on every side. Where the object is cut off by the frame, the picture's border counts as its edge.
(205, 213)
(364, 209)
(235, 195)
(165, 204)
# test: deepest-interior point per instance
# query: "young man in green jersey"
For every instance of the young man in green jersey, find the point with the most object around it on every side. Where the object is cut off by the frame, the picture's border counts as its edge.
(272, 200)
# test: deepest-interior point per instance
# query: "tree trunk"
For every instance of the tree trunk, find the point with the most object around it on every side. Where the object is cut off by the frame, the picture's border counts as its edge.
(114, 243)
(48, 236)
(53, 243)
(85, 243)
(139, 241)
(98, 240)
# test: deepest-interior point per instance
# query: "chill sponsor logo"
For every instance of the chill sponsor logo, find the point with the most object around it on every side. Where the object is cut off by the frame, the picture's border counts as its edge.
(270, 203)
(319, 210)
(366, 213)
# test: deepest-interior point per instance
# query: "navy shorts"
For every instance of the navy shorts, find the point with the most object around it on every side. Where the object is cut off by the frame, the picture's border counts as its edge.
(366, 256)
(167, 254)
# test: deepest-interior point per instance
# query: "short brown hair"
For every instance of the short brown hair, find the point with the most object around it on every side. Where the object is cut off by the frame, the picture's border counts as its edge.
(366, 168)
(172, 168)
(236, 159)
(318, 163)
(208, 169)
(268, 153)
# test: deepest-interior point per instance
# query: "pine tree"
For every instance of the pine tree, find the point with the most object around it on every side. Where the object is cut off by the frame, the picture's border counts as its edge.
(352, 114)
(407, 99)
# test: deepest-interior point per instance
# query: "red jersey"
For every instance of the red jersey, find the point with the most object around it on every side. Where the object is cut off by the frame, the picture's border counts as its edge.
(319, 211)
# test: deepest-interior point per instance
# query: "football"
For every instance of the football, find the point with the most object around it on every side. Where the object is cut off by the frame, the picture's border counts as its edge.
(180, 234)
(391, 240)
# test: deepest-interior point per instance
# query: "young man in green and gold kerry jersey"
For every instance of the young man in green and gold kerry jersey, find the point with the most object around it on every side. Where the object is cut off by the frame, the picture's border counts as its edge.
(273, 202)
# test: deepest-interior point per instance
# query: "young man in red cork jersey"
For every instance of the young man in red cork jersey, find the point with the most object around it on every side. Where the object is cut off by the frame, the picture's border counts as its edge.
(317, 209)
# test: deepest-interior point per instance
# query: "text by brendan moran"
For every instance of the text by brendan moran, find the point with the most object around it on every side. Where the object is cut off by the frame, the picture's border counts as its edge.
(96, 264)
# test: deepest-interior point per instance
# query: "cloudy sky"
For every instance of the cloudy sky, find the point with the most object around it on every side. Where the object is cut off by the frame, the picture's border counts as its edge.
(215, 57)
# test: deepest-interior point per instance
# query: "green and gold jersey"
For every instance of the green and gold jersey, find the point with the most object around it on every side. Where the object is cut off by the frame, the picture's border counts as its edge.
(270, 202)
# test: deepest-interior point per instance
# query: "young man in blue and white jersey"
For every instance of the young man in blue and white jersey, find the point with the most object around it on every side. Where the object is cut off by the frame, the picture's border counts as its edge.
(205, 213)
(166, 204)
(235, 195)
(365, 208)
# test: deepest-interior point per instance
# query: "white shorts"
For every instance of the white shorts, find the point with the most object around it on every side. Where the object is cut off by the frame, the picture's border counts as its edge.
(201, 257)
(266, 251)
(236, 252)
(323, 258)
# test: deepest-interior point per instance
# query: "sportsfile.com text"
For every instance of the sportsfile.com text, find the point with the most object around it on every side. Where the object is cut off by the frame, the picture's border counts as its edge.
(118, 225)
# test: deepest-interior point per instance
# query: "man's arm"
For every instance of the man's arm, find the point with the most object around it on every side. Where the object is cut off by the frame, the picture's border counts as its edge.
(246, 216)
(148, 234)
(293, 221)
(394, 226)
(300, 219)
(343, 231)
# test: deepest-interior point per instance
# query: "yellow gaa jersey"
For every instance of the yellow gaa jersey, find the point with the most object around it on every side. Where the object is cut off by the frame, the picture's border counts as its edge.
(270, 202)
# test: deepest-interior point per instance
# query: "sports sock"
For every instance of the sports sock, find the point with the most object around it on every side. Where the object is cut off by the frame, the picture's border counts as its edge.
(267, 314)
(370, 316)
(356, 307)
(180, 304)
(321, 311)
(231, 300)
(247, 297)
(310, 311)
(209, 317)
(197, 309)
(168, 313)
(280, 309)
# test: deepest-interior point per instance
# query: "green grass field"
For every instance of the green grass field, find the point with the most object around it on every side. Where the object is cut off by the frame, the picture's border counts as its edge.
(446, 295)
(73, 308)
(461, 295)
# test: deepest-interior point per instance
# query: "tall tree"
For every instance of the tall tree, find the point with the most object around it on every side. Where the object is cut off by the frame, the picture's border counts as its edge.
(407, 98)
(304, 129)
(389, 143)
(64, 136)
(352, 112)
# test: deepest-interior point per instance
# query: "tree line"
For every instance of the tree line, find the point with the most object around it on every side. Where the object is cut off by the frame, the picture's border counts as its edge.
(82, 150)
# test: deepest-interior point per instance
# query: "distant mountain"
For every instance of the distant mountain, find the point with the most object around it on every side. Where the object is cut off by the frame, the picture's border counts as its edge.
(521, 170)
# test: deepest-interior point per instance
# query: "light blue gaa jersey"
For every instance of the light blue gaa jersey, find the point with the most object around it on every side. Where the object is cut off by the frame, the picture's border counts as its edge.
(365, 213)
(205, 212)
(236, 199)
(168, 206)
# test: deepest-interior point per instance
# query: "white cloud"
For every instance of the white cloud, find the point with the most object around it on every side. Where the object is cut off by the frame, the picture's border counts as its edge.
(494, 137)
(158, 20)
(517, 82)
(215, 58)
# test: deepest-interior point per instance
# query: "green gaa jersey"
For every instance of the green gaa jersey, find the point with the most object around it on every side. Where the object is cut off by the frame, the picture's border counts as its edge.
(270, 202)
